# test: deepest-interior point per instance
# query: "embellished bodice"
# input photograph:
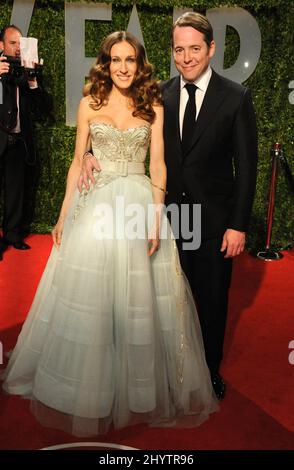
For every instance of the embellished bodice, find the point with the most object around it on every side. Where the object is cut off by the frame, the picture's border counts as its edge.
(110, 143)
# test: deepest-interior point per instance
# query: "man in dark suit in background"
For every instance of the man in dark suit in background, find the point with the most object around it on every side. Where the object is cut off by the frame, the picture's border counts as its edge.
(211, 155)
(21, 97)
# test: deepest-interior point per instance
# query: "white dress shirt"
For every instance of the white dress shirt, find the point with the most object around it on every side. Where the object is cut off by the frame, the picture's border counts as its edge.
(202, 84)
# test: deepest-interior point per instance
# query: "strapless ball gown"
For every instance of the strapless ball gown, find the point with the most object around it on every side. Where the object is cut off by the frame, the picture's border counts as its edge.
(112, 337)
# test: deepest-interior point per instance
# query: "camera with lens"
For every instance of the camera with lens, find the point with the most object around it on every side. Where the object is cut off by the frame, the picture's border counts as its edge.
(18, 71)
(15, 68)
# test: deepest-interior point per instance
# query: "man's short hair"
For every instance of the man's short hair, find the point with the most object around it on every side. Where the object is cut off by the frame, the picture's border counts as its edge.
(3, 30)
(196, 21)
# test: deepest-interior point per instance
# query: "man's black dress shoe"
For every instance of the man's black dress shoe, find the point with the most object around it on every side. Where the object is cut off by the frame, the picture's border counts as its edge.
(3, 248)
(219, 386)
(21, 245)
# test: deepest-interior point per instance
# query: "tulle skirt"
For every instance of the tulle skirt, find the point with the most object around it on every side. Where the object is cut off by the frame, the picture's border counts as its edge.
(112, 337)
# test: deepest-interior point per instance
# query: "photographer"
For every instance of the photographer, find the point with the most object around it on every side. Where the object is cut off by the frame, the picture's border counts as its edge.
(21, 94)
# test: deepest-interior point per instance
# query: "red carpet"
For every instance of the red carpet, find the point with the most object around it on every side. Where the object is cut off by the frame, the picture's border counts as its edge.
(260, 328)
(258, 411)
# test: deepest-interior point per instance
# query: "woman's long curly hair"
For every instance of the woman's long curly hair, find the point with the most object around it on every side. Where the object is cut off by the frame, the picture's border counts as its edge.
(144, 90)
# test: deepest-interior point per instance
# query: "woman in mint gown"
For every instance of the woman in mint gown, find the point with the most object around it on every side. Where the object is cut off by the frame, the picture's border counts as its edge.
(112, 337)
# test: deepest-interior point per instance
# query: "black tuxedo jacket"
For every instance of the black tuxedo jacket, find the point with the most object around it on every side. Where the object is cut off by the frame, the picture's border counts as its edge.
(32, 102)
(219, 169)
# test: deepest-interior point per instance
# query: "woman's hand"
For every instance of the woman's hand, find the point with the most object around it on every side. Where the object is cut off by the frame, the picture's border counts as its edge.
(57, 233)
(154, 237)
(153, 245)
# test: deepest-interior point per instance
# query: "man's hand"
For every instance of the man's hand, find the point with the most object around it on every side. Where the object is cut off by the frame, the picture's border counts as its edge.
(233, 242)
(33, 81)
(4, 66)
(89, 165)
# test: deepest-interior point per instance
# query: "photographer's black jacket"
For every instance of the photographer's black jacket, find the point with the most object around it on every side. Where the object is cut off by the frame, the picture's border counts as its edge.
(32, 102)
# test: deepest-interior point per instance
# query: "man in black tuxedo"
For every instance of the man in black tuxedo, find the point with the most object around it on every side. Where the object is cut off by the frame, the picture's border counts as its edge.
(211, 156)
(19, 98)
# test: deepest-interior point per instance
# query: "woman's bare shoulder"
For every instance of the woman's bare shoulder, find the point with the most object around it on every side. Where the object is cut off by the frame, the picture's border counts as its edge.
(85, 101)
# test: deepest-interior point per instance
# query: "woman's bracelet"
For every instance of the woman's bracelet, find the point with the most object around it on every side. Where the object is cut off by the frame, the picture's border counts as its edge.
(161, 189)
(87, 154)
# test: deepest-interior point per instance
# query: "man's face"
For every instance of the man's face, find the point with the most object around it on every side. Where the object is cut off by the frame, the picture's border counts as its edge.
(191, 53)
(11, 42)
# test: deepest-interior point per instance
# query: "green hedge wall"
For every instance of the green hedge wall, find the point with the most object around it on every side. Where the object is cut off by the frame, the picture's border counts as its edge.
(269, 85)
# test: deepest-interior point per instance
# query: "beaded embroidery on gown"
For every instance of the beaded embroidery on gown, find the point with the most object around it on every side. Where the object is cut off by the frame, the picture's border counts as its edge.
(112, 336)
